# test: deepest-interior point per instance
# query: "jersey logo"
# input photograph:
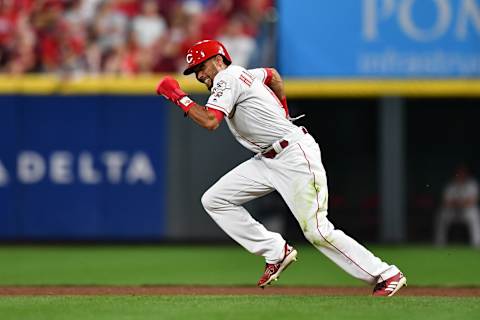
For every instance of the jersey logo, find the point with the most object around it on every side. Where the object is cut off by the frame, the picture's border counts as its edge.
(219, 88)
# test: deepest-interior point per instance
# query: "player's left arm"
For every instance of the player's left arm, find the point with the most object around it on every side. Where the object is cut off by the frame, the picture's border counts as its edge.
(275, 82)
(207, 118)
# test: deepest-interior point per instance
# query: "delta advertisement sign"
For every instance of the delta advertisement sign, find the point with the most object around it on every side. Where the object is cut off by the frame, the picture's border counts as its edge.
(82, 168)
(380, 38)
(63, 167)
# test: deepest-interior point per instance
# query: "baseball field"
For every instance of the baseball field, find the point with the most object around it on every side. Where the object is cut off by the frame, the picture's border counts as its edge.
(218, 282)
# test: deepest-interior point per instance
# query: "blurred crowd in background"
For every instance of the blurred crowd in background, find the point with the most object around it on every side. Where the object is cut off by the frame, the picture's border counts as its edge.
(90, 37)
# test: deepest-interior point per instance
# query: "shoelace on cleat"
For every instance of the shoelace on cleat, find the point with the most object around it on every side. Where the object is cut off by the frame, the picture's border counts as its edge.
(270, 268)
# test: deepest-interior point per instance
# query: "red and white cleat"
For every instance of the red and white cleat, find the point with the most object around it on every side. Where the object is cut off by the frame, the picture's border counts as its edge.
(273, 270)
(390, 286)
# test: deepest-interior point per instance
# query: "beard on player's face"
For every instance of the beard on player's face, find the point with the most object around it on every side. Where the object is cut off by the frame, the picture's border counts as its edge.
(209, 83)
(207, 71)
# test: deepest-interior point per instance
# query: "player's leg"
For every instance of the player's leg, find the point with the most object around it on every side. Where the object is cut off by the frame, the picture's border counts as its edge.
(301, 180)
(472, 219)
(223, 202)
(443, 220)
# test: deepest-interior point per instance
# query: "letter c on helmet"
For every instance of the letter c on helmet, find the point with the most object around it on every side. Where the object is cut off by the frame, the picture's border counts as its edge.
(204, 50)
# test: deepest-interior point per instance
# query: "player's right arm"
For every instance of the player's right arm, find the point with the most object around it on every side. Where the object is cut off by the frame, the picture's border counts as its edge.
(207, 118)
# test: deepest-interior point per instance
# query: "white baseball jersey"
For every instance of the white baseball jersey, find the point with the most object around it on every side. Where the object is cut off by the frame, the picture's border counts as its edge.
(461, 191)
(253, 112)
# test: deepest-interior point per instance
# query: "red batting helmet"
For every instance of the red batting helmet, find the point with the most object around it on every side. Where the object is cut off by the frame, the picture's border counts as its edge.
(204, 50)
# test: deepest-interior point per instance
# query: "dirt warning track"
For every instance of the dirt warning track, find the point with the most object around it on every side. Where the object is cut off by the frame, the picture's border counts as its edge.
(207, 290)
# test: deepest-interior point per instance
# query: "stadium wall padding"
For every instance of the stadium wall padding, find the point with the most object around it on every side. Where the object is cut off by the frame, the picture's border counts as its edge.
(82, 167)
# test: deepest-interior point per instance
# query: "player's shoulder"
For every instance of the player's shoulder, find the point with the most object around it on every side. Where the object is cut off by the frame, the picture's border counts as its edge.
(231, 71)
(229, 76)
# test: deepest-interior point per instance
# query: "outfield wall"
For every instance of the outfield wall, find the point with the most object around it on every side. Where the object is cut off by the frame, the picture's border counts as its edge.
(105, 159)
(82, 167)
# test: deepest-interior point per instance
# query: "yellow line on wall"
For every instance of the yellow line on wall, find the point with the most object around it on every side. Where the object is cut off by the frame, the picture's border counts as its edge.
(121, 85)
(295, 88)
(384, 87)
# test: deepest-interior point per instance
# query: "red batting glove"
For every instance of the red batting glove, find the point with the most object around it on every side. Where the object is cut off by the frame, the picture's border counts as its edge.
(170, 89)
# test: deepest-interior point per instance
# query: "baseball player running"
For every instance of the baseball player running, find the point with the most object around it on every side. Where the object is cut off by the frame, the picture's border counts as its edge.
(287, 159)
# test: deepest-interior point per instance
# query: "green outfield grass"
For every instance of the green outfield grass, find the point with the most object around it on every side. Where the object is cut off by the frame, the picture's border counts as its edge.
(225, 265)
(237, 307)
(217, 265)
